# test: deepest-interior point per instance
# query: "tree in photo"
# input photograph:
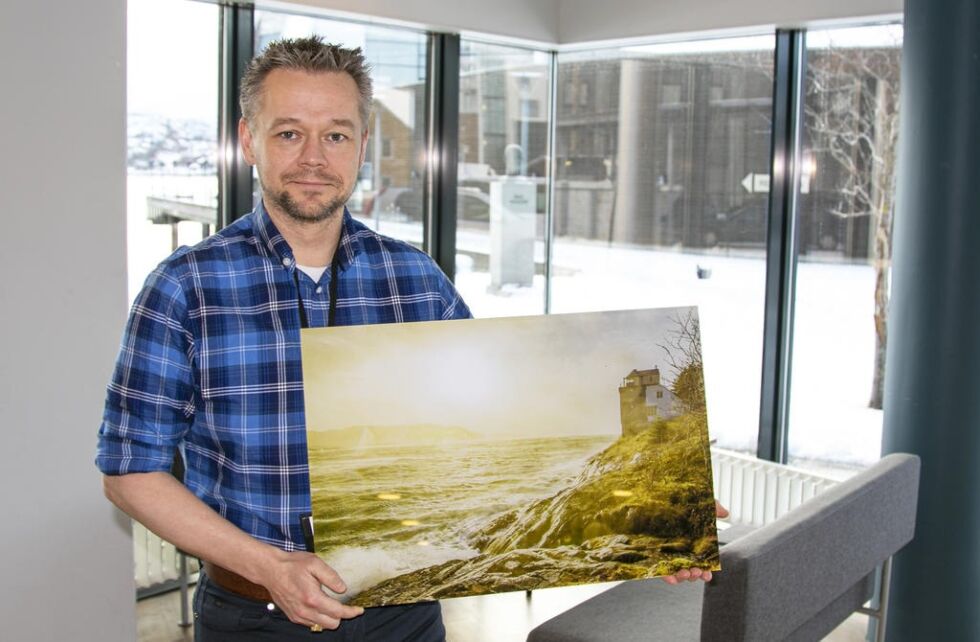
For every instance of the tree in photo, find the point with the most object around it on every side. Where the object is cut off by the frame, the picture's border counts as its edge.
(682, 348)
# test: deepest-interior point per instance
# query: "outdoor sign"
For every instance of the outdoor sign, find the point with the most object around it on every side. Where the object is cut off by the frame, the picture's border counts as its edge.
(457, 458)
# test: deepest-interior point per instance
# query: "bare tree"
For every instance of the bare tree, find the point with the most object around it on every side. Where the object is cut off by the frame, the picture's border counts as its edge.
(682, 349)
(852, 120)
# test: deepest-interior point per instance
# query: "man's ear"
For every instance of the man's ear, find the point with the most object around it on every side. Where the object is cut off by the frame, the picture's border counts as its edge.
(364, 141)
(245, 140)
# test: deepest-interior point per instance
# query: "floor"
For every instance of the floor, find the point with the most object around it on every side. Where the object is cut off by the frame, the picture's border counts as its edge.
(494, 618)
(158, 619)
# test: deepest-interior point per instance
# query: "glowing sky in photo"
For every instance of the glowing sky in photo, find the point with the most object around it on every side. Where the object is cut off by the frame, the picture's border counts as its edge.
(524, 376)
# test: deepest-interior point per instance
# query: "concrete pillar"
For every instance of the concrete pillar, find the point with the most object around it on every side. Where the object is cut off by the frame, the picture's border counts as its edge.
(633, 222)
(932, 381)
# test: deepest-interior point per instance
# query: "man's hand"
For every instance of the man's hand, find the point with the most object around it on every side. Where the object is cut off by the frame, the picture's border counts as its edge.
(295, 580)
(691, 574)
(171, 511)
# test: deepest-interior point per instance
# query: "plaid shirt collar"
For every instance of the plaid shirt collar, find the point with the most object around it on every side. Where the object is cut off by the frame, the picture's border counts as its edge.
(278, 247)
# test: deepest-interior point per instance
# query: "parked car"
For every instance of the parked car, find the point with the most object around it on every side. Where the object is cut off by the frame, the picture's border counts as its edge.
(471, 204)
(744, 225)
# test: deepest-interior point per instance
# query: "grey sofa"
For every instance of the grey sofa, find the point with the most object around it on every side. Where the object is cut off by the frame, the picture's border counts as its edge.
(794, 579)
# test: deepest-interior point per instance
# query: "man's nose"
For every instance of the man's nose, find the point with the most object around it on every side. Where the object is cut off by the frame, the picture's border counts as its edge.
(312, 153)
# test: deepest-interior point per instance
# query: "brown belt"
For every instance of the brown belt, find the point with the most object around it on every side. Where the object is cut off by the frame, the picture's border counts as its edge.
(235, 583)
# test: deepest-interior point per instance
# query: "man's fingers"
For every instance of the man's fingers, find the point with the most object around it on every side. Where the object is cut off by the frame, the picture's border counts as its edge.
(325, 622)
(720, 510)
(327, 576)
(298, 589)
(323, 610)
(688, 575)
(335, 609)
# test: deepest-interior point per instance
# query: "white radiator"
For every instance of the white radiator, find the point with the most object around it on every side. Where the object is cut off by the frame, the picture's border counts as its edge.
(157, 562)
(756, 492)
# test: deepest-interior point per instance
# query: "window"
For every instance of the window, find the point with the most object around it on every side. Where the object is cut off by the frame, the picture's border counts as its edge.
(502, 178)
(655, 194)
(171, 175)
(388, 195)
(661, 199)
(845, 222)
(172, 130)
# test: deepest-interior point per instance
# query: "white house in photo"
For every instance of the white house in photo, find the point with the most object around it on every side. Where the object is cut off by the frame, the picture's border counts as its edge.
(644, 400)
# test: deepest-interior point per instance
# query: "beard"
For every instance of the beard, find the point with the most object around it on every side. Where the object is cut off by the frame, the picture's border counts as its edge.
(318, 212)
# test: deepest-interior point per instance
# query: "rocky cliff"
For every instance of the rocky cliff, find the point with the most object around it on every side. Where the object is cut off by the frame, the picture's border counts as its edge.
(642, 507)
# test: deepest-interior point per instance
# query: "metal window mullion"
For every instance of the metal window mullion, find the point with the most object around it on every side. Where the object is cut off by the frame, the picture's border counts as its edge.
(236, 50)
(781, 249)
(442, 110)
(552, 173)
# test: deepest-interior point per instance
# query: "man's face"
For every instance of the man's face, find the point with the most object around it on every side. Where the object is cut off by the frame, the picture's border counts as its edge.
(307, 142)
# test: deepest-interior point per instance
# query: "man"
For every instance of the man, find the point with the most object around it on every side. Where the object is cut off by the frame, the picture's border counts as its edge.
(210, 361)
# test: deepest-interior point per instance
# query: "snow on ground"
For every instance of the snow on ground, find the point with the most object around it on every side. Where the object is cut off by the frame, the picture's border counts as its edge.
(147, 244)
(833, 352)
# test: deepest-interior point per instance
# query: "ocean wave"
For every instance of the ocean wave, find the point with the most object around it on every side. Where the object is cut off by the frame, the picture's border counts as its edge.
(444, 503)
(362, 568)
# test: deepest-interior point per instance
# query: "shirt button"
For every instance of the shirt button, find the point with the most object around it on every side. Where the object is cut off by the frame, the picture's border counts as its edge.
(287, 261)
(319, 289)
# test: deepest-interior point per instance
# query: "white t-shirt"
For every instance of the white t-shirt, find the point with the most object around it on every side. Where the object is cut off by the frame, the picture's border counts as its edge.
(313, 272)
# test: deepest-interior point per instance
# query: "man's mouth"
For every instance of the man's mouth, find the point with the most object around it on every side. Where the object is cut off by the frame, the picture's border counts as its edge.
(311, 181)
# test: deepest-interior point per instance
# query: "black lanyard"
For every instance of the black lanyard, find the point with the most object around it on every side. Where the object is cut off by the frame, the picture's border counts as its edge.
(304, 322)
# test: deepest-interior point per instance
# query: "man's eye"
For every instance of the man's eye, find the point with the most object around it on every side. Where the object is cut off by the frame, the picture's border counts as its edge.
(337, 138)
(287, 135)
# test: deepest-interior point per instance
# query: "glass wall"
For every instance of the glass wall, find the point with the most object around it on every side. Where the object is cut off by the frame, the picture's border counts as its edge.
(388, 196)
(172, 128)
(658, 187)
(504, 114)
(661, 199)
(845, 222)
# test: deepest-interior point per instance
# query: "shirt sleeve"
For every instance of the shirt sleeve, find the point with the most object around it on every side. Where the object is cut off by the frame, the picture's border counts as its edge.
(150, 399)
(454, 306)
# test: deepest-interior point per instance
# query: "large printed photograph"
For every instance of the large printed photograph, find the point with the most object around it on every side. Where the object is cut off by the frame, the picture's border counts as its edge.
(459, 458)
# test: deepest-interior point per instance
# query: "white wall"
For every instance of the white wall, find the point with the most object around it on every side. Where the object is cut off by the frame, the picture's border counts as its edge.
(66, 557)
(588, 20)
(535, 20)
(567, 22)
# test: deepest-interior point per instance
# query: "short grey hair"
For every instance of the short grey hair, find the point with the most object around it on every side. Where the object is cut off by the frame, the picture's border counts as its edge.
(305, 54)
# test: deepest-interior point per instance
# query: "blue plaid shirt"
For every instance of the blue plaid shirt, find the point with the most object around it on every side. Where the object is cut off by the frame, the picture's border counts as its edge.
(210, 362)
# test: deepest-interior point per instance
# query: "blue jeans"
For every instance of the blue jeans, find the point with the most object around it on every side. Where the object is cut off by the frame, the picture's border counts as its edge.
(221, 616)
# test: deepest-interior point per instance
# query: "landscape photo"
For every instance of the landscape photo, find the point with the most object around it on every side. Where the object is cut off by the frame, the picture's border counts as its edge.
(458, 458)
